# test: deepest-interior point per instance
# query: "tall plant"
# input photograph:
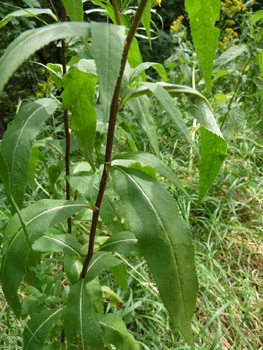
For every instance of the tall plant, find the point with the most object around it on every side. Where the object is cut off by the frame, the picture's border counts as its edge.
(105, 72)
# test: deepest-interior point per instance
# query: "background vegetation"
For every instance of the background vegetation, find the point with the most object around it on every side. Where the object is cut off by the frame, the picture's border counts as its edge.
(226, 225)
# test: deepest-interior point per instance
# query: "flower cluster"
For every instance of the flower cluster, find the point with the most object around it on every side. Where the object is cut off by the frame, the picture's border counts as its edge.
(231, 7)
(176, 25)
(45, 87)
(229, 40)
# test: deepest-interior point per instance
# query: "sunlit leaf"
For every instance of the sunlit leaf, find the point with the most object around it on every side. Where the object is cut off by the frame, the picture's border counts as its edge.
(74, 9)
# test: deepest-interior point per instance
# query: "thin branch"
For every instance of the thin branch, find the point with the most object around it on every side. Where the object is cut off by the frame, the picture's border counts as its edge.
(112, 121)
(66, 123)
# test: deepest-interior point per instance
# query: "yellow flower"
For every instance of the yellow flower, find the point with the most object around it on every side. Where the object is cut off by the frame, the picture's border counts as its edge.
(176, 25)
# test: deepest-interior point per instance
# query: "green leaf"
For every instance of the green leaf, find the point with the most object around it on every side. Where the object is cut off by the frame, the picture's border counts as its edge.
(74, 9)
(27, 12)
(120, 274)
(257, 16)
(107, 45)
(141, 109)
(145, 65)
(80, 319)
(37, 217)
(55, 72)
(32, 168)
(116, 333)
(111, 296)
(17, 143)
(229, 55)
(213, 153)
(73, 268)
(78, 95)
(4, 174)
(57, 243)
(111, 211)
(122, 242)
(149, 159)
(95, 292)
(87, 66)
(32, 40)
(202, 15)
(166, 101)
(165, 241)
(100, 262)
(39, 327)
(146, 20)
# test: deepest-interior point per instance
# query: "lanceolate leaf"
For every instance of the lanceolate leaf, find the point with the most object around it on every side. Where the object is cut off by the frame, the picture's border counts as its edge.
(115, 332)
(78, 95)
(39, 327)
(28, 12)
(145, 65)
(141, 109)
(122, 242)
(37, 218)
(32, 168)
(107, 44)
(202, 15)
(80, 319)
(32, 40)
(166, 101)
(17, 143)
(74, 9)
(213, 153)
(146, 20)
(56, 243)
(4, 175)
(100, 262)
(149, 159)
(165, 241)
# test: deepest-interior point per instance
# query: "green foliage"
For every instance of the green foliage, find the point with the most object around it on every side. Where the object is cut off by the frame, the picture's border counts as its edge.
(202, 15)
(57, 252)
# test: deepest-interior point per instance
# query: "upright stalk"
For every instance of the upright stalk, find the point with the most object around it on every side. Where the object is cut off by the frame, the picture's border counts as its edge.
(112, 122)
(66, 123)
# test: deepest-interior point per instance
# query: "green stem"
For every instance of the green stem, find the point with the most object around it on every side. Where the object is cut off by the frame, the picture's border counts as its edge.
(112, 122)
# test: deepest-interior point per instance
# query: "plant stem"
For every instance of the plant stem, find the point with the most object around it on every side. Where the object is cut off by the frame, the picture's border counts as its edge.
(110, 137)
(116, 12)
(66, 123)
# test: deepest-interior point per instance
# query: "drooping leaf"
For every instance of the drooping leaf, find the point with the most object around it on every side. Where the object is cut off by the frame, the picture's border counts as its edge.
(149, 159)
(116, 333)
(27, 12)
(165, 241)
(39, 327)
(17, 143)
(166, 101)
(122, 242)
(57, 243)
(87, 66)
(201, 110)
(78, 95)
(202, 15)
(37, 217)
(100, 262)
(80, 320)
(213, 153)
(145, 65)
(107, 45)
(74, 9)
(33, 40)
(141, 109)
(55, 72)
